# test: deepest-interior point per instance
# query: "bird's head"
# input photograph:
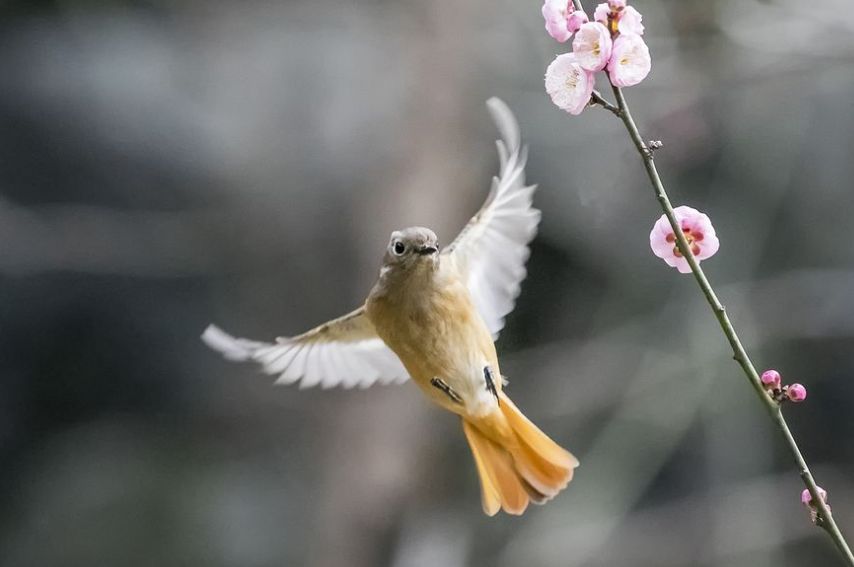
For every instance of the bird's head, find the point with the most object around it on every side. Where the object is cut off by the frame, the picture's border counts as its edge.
(412, 247)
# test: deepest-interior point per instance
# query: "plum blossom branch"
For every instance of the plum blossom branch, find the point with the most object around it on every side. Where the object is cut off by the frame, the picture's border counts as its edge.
(823, 514)
(627, 64)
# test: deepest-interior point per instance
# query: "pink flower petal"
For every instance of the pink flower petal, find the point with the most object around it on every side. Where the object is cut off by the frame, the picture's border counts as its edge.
(576, 20)
(592, 46)
(600, 14)
(630, 22)
(558, 30)
(569, 85)
(630, 61)
(555, 13)
(555, 9)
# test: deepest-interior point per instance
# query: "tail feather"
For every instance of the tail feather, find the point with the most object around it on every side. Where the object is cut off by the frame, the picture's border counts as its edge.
(490, 497)
(516, 462)
(501, 487)
(533, 437)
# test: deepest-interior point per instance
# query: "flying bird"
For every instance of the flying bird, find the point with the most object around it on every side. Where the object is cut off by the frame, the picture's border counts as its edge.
(433, 317)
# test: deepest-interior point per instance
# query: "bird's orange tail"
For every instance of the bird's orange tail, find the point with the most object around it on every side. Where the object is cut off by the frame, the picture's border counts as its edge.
(517, 463)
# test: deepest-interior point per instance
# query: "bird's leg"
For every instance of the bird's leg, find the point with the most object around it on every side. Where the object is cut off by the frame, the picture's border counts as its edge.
(490, 383)
(442, 385)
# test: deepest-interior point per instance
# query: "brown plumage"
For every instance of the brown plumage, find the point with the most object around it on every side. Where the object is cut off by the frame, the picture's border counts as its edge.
(433, 317)
(424, 313)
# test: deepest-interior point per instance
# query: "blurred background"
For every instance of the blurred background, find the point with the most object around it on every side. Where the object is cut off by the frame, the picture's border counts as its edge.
(168, 164)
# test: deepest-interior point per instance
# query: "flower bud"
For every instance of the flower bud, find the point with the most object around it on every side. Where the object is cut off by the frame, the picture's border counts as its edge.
(806, 500)
(576, 20)
(770, 379)
(806, 497)
(796, 392)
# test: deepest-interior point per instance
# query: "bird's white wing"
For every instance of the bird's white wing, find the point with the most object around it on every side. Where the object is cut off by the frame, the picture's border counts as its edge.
(492, 249)
(345, 351)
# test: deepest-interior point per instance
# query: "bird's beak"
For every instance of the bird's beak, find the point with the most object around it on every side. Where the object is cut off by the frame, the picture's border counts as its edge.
(425, 250)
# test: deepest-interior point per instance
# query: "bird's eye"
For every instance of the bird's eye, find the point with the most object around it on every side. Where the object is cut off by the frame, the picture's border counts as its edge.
(399, 248)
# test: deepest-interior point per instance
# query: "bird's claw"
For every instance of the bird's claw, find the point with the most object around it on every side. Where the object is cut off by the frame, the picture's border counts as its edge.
(443, 386)
(490, 383)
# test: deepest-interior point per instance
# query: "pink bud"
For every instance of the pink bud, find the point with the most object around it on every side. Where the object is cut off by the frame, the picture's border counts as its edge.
(576, 20)
(771, 379)
(796, 392)
(806, 497)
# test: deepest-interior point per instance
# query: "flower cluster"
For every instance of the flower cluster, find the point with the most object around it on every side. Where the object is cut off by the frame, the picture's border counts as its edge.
(772, 381)
(806, 500)
(698, 231)
(611, 42)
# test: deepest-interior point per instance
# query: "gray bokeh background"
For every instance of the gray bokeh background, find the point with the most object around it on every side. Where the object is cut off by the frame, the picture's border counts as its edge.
(168, 164)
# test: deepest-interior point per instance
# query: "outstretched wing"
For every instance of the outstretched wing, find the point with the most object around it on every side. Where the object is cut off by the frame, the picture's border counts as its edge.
(345, 351)
(492, 249)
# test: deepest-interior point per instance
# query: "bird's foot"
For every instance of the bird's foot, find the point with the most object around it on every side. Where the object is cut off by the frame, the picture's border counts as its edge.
(443, 386)
(490, 383)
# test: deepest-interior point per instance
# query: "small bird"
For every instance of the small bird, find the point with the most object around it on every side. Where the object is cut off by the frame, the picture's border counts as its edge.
(433, 316)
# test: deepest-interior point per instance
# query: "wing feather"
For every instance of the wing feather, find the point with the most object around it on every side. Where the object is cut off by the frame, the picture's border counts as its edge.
(345, 351)
(492, 249)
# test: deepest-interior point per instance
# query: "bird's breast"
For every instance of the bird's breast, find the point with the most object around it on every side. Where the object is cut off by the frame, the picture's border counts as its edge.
(437, 333)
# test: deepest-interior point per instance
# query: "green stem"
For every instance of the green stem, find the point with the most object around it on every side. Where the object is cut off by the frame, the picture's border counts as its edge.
(825, 518)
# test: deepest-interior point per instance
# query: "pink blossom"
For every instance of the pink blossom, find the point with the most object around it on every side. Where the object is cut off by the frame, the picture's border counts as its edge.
(617, 5)
(569, 85)
(630, 62)
(698, 231)
(796, 392)
(601, 13)
(576, 20)
(771, 379)
(592, 46)
(630, 22)
(556, 13)
(806, 497)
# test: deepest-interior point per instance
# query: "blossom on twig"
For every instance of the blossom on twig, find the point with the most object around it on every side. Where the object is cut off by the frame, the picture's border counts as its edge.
(630, 61)
(612, 41)
(592, 46)
(569, 84)
(556, 14)
(698, 231)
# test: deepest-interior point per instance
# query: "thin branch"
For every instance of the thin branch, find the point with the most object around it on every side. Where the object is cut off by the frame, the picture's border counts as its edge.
(825, 518)
(597, 98)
